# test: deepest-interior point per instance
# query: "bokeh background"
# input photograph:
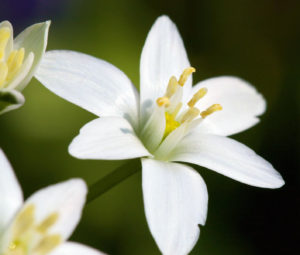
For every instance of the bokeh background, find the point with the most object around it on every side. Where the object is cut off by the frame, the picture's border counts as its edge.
(256, 40)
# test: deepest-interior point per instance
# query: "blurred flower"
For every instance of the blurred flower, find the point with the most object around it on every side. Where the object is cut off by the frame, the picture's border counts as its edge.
(42, 224)
(163, 125)
(19, 59)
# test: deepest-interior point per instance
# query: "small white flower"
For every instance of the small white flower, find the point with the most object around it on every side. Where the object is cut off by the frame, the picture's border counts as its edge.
(42, 224)
(170, 121)
(19, 59)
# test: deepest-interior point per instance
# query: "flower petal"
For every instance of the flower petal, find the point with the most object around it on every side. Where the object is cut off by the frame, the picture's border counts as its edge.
(107, 138)
(71, 248)
(163, 56)
(33, 39)
(240, 101)
(65, 199)
(228, 157)
(90, 83)
(10, 192)
(175, 198)
(10, 100)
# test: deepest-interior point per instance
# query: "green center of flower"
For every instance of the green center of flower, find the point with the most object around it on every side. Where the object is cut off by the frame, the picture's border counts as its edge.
(30, 237)
(9, 64)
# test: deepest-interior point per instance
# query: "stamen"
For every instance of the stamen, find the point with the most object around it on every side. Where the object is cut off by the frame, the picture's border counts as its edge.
(201, 93)
(47, 223)
(185, 75)
(191, 114)
(24, 221)
(4, 37)
(172, 87)
(3, 72)
(177, 109)
(210, 110)
(14, 62)
(47, 244)
(163, 101)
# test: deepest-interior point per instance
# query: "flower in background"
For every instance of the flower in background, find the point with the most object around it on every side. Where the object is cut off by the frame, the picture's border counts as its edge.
(169, 122)
(42, 224)
(19, 59)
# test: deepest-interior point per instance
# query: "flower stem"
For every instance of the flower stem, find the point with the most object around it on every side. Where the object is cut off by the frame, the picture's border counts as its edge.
(115, 177)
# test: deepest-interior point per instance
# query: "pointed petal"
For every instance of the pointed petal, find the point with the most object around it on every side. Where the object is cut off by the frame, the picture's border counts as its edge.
(10, 100)
(228, 157)
(11, 195)
(90, 83)
(107, 138)
(33, 39)
(175, 198)
(163, 55)
(241, 104)
(65, 199)
(9, 45)
(71, 248)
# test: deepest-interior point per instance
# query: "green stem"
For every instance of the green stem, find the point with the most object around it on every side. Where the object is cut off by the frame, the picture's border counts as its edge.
(113, 178)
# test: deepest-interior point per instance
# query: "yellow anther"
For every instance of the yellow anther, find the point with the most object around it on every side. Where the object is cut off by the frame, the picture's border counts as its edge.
(163, 101)
(171, 124)
(14, 62)
(4, 37)
(3, 72)
(191, 114)
(172, 87)
(47, 244)
(210, 110)
(47, 223)
(196, 97)
(185, 75)
(24, 221)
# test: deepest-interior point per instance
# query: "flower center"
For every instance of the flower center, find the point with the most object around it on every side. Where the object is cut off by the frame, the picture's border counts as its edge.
(10, 63)
(30, 237)
(171, 101)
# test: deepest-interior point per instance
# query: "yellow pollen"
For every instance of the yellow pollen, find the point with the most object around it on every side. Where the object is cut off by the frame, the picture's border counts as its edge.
(171, 124)
(163, 101)
(201, 93)
(185, 75)
(25, 220)
(191, 114)
(47, 223)
(172, 87)
(47, 244)
(210, 110)
(3, 72)
(4, 37)
(14, 62)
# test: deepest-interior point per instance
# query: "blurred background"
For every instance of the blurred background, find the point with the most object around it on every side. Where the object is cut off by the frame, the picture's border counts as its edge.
(256, 40)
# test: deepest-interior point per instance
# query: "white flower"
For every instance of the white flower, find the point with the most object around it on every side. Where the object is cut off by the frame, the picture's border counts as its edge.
(42, 224)
(164, 125)
(19, 59)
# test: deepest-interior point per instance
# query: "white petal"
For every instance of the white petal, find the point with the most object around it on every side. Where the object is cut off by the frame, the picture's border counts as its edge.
(9, 45)
(10, 192)
(163, 56)
(107, 138)
(90, 83)
(10, 100)
(175, 198)
(71, 248)
(32, 39)
(228, 157)
(240, 101)
(67, 199)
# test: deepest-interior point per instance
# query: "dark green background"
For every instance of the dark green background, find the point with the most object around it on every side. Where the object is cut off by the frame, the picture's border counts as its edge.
(256, 40)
